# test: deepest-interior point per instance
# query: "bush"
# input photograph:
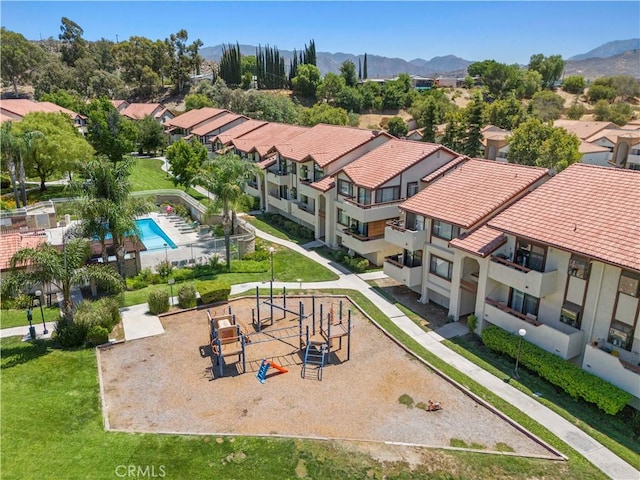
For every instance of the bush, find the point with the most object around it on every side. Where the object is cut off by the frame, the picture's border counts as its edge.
(71, 334)
(97, 335)
(136, 283)
(574, 84)
(356, 264)
(22, 301)
(182, 274)
(187, 296)
(571, 378)
(104, 313)
(158, 301)
(472, 322)
(164, 268)
(212, 291)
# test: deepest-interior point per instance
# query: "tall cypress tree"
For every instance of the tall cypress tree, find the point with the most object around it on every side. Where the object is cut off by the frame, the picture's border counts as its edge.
(365, 74)
(359, 69)
(231, 65)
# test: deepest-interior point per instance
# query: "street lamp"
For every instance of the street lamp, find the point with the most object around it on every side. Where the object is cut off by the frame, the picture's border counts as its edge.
(171, 281)
(44, 325)
(271, 250)
(32, 329)
(522, 332)
(166, 253)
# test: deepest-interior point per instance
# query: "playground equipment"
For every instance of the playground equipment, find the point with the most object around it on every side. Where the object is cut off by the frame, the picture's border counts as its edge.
(314, 355)
(227, 340)
(433, 406)
(264, 366)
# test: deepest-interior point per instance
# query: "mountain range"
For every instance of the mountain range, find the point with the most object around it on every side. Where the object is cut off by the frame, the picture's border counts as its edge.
(620, 57)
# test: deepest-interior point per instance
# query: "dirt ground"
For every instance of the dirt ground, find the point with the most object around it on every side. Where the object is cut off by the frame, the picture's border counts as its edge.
(166, 384)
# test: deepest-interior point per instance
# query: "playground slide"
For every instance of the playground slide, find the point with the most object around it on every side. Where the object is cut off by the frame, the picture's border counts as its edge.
(280, 368)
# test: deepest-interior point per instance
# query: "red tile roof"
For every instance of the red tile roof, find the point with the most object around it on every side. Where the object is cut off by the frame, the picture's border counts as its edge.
(324, 184)
(584, 209)
(214, 124)
(583, 129)
(193, 117)
(444, 169)
(393, 157)
(118, 103)
(262, 139)
(10, 243)
(586, 147)
(234, 132)
(324, 143)
(473, 191)
(267, 162)
(137, 111)
(22, 107)
(482, 241)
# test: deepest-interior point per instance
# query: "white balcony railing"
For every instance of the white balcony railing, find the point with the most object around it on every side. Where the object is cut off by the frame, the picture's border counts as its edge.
(532, 282)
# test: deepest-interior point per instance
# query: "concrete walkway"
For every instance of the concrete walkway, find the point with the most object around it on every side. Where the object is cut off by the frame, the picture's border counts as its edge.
(138, 323)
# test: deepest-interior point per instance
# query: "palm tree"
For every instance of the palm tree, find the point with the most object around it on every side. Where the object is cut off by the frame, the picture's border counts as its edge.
(63, 269)
(226, 177)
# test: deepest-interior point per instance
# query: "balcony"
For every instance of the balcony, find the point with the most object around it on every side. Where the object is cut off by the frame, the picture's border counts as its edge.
(396, 234)
(621, 373)
(561, 339)
(538, 284)
(305, 212)
(279, 202)
(361, 244)
(409, 276)
(371, 212)
(307, 190)
(279, 177)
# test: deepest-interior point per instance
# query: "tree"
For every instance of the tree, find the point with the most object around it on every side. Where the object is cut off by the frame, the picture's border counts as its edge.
(150, 135)
(541, 144)
(574, 84)
(65, 98)
(18, 57)
(618, 113)
(136, 58)
(499, 78)
(455, 132)
(185, 160)
(226, 178)
(475, 122)
(365, 73)
(53, 75)
(230, 68)
(65, 269)
(10, 151)
(74, 46)
(306, 81)
(506, 113)
(195, 101)
(324, 113)
(530, 85)
(184, 59)
(598, 92)
(547, 105)
(348, 72)
(108, 132)
(550, 68)
(395, 93)
(58, 148)
(576, 111)
(331, 87)
(397, 127)
(350, 99)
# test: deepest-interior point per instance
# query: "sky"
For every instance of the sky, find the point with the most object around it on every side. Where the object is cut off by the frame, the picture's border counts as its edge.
(506, 31)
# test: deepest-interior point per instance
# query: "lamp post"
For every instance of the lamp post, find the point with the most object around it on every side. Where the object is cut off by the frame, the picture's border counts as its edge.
(166, 253)
(44, 325)
(271, 250)
(522, 332)
(171, 281)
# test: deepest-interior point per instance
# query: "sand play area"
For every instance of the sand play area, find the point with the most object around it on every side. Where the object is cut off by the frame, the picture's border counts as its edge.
(166, 383)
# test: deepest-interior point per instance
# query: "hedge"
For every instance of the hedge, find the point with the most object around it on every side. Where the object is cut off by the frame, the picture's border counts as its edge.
(212, 291)
(572, 379)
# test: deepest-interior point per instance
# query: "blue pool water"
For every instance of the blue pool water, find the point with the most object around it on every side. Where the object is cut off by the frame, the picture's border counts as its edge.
(152, 235)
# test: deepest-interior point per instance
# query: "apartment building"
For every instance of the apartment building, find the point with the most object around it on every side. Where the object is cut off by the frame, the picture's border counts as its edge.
(138, 111)
(563, 264)
(370, 189)
(222, 141)
(182, 125)
(456, 200)
(211, 128)
(299, 179)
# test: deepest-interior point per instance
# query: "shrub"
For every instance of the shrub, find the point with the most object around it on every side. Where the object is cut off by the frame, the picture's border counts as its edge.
(215, 265)
(136, 283)
(97, 335)
(182, 274)
(571, 378)
(110, 313)
(406, 400)
(71, 334)
(182, 211)
(212, 291)
(164, 269)
(472, 322)
(356, 264)
(574, 84)
(22, 301)
(218, 230)
(158, 301)
(187, 296)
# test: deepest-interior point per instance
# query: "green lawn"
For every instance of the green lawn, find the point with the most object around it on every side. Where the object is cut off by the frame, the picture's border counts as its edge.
(147, 174)
(15, 318)
(52, 428)
(614, 432)
(260, 224)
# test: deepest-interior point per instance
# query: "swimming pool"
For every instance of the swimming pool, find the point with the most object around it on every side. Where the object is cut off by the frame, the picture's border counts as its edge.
(151, 235)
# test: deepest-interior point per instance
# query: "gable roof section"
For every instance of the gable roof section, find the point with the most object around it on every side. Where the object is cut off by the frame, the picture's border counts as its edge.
(119, 104)
(137, 111)
(21, 107)
(215, 123)
(390, 159)
(324, 143)
(324, 184)
(264, 138)
(584, 209)
(194, 117)
(586, 147)
(10, 243)
(237, 131)
(583, 130)
(444, 169)
(482, 241)
(473, 191)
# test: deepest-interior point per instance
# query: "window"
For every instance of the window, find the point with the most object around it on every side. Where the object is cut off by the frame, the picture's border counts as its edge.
(523, 303)
(620, 335)
(318, 172)
(440, 267)
(530, 255)
(293, 168)
(389, 194)
(343, 218)
(364, 196)
(304, 172)
(345, 188)
(444, 230)
(414, 222)
(629, 284)
(412, 189)
(579, 267)
(294, 193)
(412, 259)
(571, 314)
